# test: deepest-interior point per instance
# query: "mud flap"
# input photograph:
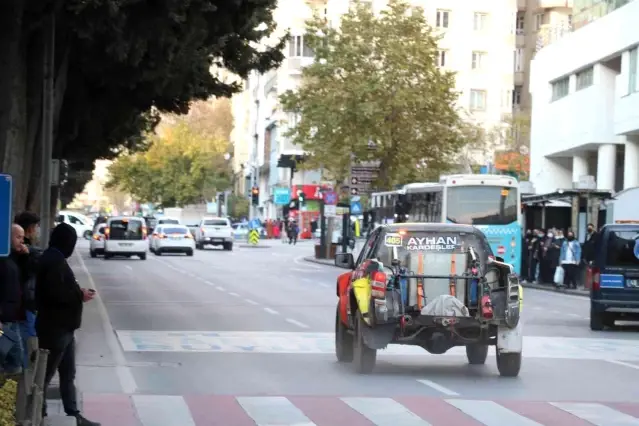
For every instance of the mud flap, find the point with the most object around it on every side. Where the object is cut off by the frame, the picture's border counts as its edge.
(380, 336)
(510, 340)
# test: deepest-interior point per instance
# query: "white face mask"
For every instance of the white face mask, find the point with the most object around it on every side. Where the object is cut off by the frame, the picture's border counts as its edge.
(549, 235)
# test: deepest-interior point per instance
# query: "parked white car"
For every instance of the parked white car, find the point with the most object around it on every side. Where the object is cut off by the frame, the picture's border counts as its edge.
(96, 246)
(214, 231)
(83, 225)
(126, 236)
(172, 239)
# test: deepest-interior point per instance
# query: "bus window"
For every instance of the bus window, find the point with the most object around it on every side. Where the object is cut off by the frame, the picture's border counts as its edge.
(482, 205)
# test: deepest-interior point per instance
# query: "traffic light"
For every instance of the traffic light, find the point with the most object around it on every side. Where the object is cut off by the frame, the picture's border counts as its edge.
(221, 198)
(301, 197)
(255, 196)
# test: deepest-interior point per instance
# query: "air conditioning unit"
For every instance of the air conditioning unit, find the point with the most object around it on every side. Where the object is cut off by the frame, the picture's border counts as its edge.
(585, 182)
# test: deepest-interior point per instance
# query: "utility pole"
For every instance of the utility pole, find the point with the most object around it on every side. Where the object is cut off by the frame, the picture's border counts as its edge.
(48, 101)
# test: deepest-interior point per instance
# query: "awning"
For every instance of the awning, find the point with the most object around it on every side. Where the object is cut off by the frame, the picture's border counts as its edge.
(564, 195)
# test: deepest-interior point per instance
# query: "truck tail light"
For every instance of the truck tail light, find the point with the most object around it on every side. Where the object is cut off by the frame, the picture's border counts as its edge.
(378, 284)
(596, 279)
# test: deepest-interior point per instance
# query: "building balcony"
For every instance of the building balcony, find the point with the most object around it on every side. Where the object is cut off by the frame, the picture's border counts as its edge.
(519, 78)
(271, 82)
(521, 4)
(520, 39)
(296, 64)
(553, 4)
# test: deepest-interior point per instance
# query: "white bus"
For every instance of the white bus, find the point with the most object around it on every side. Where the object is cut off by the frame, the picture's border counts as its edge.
(492, 203)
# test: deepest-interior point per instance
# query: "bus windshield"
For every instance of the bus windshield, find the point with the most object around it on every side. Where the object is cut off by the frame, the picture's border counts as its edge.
(481, 205)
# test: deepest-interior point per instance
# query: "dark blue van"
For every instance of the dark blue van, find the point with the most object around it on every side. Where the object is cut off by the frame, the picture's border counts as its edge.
(614, 290)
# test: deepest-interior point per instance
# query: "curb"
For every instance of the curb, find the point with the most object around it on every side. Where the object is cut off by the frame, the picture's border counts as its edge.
(551, 288)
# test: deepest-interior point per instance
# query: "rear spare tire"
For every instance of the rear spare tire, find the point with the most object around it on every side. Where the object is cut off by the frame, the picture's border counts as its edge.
(343, 340)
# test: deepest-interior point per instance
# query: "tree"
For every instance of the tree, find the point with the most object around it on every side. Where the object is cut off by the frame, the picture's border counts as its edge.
(180, 167)
(117, 64)
(510, 143)
(238, 206)
(375, 93)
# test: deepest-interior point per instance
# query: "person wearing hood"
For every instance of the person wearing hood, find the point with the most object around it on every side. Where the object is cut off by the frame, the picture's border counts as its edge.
(59, 301)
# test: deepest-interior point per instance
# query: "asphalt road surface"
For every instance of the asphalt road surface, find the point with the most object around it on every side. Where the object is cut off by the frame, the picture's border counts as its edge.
(246, 338)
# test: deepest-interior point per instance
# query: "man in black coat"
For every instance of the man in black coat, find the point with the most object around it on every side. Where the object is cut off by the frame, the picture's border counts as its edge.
(59, 301)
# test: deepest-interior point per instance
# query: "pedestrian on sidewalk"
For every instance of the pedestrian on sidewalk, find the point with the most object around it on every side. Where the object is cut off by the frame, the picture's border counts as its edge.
(12, 355)
(59, 301)
(570, 258)
(28, 264)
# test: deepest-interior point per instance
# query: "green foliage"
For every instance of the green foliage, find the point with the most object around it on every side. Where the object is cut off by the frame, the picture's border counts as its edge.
(376, 79)
(180, 167)
(238, 206)
(127, 60)
(8, 403)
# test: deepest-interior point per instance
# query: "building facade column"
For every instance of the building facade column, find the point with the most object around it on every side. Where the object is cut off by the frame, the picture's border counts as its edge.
(579, 166)
(606, 167)
(631, 164)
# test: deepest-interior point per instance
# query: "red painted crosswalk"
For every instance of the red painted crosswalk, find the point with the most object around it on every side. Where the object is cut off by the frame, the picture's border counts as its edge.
(219, 410)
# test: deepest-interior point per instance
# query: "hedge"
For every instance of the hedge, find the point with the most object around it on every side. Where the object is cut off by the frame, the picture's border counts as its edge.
(8, 403)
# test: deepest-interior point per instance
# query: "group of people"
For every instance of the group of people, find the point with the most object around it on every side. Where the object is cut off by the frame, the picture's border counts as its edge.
(544, 251)
(40, 298)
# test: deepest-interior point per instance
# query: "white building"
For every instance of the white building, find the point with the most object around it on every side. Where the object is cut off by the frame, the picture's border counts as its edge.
(585, 112)
(478, 42)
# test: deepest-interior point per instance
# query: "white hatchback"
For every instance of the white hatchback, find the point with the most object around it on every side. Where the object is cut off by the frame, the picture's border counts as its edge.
(172, 239)
(96, 246)
(125, 236)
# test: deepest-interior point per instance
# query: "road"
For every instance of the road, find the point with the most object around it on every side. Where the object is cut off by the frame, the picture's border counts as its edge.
(246, 337)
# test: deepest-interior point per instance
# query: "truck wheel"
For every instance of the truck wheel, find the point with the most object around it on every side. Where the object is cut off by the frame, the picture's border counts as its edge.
(600, 320)
(343, 341)
(199, 246)
(508, 364)
(93, 254)
(364, 358)
(476, 353)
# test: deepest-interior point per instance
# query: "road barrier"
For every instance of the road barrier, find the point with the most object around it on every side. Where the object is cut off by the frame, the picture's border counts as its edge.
(254, 237)
(30, 393)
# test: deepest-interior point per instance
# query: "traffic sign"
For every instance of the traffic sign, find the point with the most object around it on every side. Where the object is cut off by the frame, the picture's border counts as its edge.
(356, 207)
(282, 196)
(330, 210)
(6, 193)
(362, 176)
(330, 198)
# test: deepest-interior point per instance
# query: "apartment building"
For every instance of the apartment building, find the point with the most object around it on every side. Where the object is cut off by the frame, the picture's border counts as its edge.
(585, 110)
(478, 41)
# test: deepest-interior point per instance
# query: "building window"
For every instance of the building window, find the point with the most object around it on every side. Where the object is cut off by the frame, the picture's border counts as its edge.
(539, 21)
(480, 21)
(632, 70)
(479, 58)
(297, 48)
(584, 78)
(441, 58)
(477, 100)
(519, 60)
(560, 88)
(517, 96)
(520, 23)
(442, 18)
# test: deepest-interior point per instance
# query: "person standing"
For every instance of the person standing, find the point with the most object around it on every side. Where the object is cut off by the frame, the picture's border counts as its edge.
(59, 301)
(570, 258)
(28, 264)
(589, 244)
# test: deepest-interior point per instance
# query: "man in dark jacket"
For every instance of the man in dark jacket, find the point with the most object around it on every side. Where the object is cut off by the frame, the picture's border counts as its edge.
(59, 301)
(11, 302)
(28, 264)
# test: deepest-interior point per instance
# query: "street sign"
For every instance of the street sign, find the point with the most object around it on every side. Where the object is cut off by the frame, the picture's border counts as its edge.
(6, 192)
(254, 224)
(362, 176)
(330, 210)
(356, 208)
(281, 196)
(330, 198)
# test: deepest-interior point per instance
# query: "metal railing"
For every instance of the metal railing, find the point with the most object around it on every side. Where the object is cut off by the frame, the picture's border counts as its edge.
(30, 394)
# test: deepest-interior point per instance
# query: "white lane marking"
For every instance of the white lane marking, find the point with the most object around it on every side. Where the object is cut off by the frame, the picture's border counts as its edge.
(208, 283)
(597, 414)
(438, 387)
(306, 271)
(271, 311)
(234, 294)
(128, 267)
(162, 410)
(489, 413)
(125, 377)
(574, 315)
(324, 285)
(300, 261)
(273, 410)
(623, 364)
(251, 302)
(385, 412)
(220, 288)
(296, 322)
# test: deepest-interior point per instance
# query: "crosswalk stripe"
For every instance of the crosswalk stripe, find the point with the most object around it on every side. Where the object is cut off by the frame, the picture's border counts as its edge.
(273, 411)
(597, 414)
(162, 410)
(490, 413)
(385, 412)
